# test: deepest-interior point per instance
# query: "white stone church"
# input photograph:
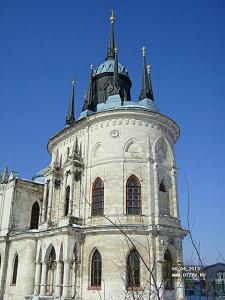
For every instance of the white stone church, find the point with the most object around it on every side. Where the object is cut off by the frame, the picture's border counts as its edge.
(101, 221)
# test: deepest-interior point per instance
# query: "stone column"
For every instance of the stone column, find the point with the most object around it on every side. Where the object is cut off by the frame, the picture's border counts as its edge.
(174, 194)
(50, 200)
(43, 288)
(44, 203)
(66, 279)
(180, 289)
(77, 278)
(58, 280)
(63, 196)
(159, 267)
(156, 192)
(37, 278)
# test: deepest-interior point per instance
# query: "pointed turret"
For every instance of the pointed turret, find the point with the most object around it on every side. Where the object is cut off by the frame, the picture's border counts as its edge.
(111, 47)
(89, 97)
(70, 119)
(5, 175)
(150, 82)
(146, 91)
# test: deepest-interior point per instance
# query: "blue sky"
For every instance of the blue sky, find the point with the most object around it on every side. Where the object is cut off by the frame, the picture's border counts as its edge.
(45, 42)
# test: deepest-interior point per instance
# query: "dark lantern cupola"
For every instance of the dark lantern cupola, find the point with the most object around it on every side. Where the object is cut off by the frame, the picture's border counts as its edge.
(103, 80)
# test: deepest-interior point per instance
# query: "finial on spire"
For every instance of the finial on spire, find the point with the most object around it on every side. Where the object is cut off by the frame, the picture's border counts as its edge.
(146, 91)
(143, 51)
(112, 17)
(111, 47)
(70, 119)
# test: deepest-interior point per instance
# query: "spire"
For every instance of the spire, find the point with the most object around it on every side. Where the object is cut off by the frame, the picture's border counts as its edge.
(150, 82)
(5, 175)
(89, 96)
(111, 47)
(146, 91)
(70, 119)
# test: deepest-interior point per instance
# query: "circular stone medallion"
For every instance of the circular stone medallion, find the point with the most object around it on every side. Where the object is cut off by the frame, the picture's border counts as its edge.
(114, 133)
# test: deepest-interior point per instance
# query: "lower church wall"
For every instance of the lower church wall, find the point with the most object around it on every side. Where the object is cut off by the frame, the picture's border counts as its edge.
(114, 249)
(26, 250)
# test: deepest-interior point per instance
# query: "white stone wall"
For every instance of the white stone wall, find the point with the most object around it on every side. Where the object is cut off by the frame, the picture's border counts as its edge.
(112, 145)
(26, 250)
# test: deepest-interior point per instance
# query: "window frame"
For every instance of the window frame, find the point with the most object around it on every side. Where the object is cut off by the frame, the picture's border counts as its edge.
(97, 198)
(35, 215)
(15, 269)
(168, 280)
(67, 201)
(96, 270)
(131, 195)
(136, 279)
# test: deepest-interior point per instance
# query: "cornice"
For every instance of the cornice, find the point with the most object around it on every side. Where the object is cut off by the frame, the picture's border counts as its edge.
(115, 117)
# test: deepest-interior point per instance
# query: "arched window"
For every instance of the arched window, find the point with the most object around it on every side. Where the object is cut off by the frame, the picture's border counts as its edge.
(133, 269)
(164, 205)
(167, 271)
(51, 268)
(97, 198)
(133, 195)
(34, 216)
(15, 269)
(67, 201)
(96, 269)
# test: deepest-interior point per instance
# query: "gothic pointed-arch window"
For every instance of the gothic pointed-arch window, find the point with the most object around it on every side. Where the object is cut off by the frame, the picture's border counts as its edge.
(164, 205)
(96, 269)
(167, 271)
(34, 220)
(133, 269)
(51, 270)
(97, 198)
(133, 195)
(67, 201)
(15, 269)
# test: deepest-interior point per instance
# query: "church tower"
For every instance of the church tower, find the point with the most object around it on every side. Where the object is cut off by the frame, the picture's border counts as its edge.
(112, 185)
(109, 224)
